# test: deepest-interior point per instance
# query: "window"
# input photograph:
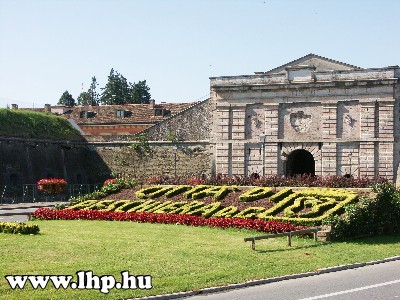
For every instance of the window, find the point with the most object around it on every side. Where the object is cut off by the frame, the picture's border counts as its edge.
(161, 112)
(87, 114)
(123, 113)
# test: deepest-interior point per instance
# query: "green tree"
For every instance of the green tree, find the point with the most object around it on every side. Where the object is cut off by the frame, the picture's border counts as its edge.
(117, 89)
(66, 99)
(140, 93)
(84, 98)
(94, 96)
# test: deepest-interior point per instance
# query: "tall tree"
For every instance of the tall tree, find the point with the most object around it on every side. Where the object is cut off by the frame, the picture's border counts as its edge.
(94, 96)
(66, 99)
(84, 99)
(117, 89)
(140, 93)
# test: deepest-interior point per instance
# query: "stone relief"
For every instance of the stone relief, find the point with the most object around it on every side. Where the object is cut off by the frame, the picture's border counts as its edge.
(257, 123)
(349, 121)
(300, 121)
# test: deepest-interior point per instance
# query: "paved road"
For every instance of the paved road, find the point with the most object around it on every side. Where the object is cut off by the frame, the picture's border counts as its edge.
(20, 212)
(380, 281)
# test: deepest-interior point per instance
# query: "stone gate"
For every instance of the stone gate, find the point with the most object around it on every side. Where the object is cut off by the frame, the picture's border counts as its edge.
(313, 115)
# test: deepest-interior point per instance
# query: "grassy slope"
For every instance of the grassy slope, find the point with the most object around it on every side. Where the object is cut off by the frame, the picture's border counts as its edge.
(33, 124)
(179, 258)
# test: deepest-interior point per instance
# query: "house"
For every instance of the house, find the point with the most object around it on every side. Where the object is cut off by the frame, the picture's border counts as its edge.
(125, 119)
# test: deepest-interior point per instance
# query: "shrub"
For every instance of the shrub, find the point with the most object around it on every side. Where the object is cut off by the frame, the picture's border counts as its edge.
(19, 228)
(128, 205)
(116, 204)
(256, 194)
(370, 216)
(217, 192)
(153, 192)
(250, 213)
(282, 194)
(108, 189)
(276, 181)
(177, 190)
(172, 206)
(195, 190)
(83, 204)
(342, 197)
(226, 212)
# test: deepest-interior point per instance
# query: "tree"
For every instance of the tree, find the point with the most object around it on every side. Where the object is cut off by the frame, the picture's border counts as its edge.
(66, 99)
(84, 98)
(94, 96)
(117, 89)
(140, 93)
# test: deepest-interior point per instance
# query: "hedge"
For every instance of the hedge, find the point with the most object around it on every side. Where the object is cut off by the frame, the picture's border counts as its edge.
(19, 228)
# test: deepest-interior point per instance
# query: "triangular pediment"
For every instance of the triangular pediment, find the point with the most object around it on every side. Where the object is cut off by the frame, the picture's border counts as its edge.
(320, 63)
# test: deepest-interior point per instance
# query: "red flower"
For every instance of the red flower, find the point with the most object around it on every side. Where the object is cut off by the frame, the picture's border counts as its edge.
(144, 217)
(109, 181)
(51, 185)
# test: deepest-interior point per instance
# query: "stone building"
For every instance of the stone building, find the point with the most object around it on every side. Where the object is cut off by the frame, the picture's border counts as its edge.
(313, 115)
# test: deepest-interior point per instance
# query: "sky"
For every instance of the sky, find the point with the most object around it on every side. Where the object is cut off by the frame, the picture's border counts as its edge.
(50, 46)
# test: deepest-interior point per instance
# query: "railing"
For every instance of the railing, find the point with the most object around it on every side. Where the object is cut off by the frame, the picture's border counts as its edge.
(289, 235)
(29, 193)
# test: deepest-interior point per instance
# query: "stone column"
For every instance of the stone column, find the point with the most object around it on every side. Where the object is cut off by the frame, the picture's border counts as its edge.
(368, 118)
(238, 123)
(329, 120)
(367, 159)
(386, 119)
(329, 163)
(271, 158)
(223, 135)
(271, 148)
(271, 121)
(238, 159)
(385, 168)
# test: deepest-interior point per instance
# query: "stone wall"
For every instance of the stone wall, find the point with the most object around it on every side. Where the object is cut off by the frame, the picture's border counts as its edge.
(26, 161)
(192, 124)
(192, 159)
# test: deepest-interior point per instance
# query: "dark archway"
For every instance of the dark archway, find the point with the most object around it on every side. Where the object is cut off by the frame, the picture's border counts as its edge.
(300, 162)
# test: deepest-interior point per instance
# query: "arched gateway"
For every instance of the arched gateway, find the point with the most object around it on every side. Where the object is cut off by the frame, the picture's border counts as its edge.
(300, 162)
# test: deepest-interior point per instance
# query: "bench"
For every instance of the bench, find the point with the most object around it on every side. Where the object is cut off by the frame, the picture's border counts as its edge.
(288, 234)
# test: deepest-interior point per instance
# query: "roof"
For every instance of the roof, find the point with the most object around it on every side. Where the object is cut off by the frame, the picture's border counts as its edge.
(321, 63)
(136, 113)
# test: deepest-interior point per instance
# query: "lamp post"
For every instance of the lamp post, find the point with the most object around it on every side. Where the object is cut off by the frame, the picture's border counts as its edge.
(263, 137)
(175, 149)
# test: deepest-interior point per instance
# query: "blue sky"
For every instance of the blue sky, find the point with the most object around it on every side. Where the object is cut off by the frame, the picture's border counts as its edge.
(49, 46)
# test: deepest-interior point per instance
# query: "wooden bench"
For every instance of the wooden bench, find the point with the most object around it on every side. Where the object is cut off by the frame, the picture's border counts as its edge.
(288, 234)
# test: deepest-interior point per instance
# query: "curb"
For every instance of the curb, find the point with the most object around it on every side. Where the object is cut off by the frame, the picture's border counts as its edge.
(267, 280)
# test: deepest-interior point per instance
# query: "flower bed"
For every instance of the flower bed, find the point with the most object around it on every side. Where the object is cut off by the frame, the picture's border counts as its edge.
(304, 207)
(274, 181)
(181, 219)
(52, 186)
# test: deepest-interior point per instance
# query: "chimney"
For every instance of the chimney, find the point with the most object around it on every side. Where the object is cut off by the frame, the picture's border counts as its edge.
(47, 107)
(152, 102)
(14, 106)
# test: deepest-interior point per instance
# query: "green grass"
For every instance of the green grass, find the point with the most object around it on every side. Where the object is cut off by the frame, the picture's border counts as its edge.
(24, 123)
(180, 258)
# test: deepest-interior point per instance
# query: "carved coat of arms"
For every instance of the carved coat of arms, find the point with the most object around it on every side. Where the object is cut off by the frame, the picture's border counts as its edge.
(300, 121)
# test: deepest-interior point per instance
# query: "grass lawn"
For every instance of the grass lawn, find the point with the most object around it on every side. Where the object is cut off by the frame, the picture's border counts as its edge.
(179, 258)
